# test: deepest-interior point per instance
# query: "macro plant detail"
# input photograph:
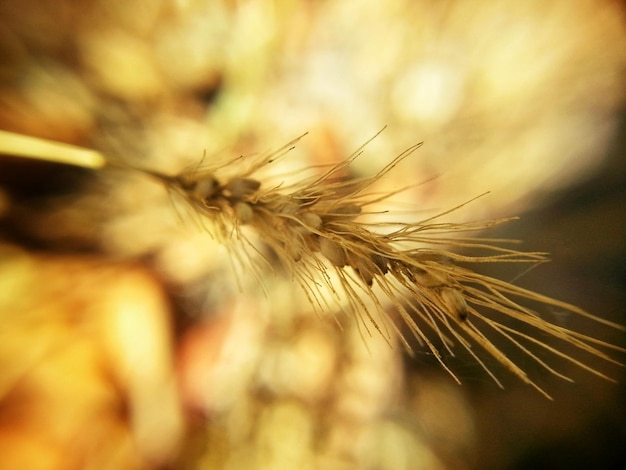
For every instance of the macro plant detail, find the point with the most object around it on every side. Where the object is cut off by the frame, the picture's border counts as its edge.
(312, 308)
(398, 278)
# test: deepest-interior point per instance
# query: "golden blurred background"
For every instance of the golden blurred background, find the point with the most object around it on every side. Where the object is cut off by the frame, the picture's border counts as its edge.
(128, 342)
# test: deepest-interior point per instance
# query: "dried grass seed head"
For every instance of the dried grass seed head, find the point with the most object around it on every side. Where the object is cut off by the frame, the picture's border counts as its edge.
(411, 268)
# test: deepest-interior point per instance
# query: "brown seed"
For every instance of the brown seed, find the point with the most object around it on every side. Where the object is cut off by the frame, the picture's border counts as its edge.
(312, 242)
(365, 269)
(311, 220)
(243, 212)
(367, 266)
(428, 278)
(205, 188)
(241, 187)
(381, 263)
(455, 302)
(333, 252)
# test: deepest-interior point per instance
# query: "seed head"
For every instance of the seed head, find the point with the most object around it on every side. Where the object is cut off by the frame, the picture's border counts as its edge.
(313, 226)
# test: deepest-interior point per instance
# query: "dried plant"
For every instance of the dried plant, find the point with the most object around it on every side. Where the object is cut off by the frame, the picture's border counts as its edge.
(315, 227)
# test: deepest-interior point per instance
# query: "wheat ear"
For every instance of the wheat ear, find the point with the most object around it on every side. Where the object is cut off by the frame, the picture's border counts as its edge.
(318, 218)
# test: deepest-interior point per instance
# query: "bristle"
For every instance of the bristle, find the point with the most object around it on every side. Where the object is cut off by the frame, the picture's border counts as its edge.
(313, 227)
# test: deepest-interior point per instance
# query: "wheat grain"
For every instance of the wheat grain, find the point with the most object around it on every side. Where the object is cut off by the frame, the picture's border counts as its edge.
(317, 218)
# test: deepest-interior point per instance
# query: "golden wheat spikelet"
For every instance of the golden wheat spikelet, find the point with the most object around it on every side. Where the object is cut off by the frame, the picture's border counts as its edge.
(314, 227)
